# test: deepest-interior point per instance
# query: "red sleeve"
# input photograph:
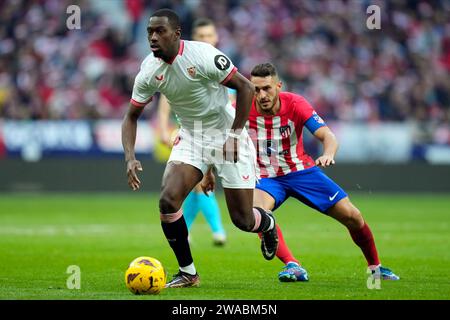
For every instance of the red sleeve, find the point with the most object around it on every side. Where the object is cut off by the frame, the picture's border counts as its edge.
(303, 110)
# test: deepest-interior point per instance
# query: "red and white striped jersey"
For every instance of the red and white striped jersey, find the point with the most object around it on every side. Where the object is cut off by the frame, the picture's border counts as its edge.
(278, 139)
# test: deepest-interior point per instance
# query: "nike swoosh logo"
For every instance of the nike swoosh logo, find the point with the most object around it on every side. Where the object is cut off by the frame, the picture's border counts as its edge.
(267, 253)
(160, 77)
(332, 198)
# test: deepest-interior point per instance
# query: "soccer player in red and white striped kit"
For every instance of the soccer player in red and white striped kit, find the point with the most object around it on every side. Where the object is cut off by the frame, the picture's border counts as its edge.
(275, 124)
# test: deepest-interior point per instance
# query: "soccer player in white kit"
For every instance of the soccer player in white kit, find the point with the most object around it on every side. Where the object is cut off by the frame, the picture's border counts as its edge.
(197, 201)
(193, 75)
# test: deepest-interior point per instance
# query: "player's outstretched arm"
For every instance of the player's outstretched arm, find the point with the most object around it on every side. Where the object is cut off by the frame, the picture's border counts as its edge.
(330, 146)
(244, 95)
(129, 128)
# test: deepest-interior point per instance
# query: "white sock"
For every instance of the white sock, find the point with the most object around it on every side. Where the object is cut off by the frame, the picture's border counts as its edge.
(374, 266)
(293, 263)
(189, 269)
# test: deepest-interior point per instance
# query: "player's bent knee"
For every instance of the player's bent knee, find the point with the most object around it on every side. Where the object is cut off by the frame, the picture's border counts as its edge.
(168, 204)
(355, 219)
(241, 223)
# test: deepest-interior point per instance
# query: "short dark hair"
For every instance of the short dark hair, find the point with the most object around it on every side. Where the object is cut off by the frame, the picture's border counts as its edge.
(202, 22)
(174, 19)
(264, 70)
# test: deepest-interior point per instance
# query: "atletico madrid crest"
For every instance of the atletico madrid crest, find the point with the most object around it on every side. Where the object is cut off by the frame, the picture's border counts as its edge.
(285, 131)
(191, 71)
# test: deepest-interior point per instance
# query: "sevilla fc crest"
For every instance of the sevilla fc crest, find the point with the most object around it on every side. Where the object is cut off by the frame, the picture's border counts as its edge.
(285, 131)
(191, 71)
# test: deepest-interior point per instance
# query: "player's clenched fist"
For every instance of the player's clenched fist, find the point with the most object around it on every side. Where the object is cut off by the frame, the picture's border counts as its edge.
(132, 167)
(208, 182)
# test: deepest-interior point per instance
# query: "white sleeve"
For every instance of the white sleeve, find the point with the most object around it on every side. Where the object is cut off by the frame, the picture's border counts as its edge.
(217, 66)
(142, 91)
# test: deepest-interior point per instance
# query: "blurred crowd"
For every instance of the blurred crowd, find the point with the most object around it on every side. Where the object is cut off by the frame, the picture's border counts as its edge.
(323, 50)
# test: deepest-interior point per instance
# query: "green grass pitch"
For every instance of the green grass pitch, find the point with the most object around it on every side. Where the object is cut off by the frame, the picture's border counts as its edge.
(41, 235)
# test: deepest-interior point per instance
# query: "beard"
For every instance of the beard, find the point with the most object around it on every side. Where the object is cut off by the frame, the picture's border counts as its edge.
(266, 105)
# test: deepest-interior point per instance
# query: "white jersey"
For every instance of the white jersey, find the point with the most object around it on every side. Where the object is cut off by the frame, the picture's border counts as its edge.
(192, 83)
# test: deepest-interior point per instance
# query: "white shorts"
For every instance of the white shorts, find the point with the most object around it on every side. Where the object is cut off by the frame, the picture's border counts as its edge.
(203, 151)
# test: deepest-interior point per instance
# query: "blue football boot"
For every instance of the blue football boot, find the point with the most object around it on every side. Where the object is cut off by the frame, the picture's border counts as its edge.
(293, 272)
(385, 273)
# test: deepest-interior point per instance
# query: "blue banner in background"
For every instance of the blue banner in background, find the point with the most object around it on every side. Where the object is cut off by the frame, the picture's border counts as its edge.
(386, 142)
(33, 140)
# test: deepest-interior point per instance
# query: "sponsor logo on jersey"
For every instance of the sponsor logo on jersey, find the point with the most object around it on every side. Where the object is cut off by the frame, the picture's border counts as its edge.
(269, 148)
(285, 131)
(222, 62)
(191, 71)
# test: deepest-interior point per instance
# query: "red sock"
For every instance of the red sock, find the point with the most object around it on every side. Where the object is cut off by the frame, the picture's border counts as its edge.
(364, 239)
(283, 252)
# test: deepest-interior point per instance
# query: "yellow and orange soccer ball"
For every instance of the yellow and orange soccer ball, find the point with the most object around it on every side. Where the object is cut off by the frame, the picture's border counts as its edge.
(145, 275)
